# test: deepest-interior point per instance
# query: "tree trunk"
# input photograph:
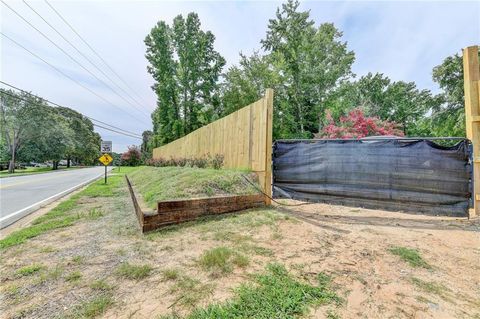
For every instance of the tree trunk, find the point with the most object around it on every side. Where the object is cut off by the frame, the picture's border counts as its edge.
(68, 162)
(55, 165)
(11, 166)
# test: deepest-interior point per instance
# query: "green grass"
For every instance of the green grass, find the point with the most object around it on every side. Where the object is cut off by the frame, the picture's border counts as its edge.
(241, 261)
(52, 274)
(78, 259)
(171, 274)
(134, 272)
(190, 291)
(60, 216)
(273, 294)
(92, 308)
(163, 183)
(74, 276)
(100, 189)
(29, 270)
(47, 249)
(411, 256)
(217, 259)
(101, 285)
(431, 287)
(220, 260)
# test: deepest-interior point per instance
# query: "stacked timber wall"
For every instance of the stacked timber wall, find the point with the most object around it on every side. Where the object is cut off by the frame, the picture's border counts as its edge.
(244, 138)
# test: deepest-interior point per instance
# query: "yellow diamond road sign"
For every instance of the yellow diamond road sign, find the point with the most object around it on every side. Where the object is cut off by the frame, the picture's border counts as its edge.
(105, 159)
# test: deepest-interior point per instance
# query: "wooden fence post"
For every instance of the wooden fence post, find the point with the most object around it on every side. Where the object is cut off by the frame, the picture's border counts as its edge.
(471, 77)
(268, 144)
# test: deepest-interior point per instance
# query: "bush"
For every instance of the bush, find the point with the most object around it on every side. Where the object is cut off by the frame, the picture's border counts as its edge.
(132, 157)
(357, 125)
(215, 161)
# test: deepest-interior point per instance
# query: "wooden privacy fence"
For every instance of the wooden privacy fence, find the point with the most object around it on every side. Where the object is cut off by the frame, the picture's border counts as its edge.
(471, 76)
(244, 138)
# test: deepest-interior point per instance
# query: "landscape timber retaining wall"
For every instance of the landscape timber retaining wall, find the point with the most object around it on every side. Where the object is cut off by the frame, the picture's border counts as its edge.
(244, 138)
(178, 211)
(136, 206)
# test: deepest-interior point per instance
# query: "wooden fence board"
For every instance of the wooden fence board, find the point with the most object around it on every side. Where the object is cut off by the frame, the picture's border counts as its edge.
(471, 76)
(243, 137)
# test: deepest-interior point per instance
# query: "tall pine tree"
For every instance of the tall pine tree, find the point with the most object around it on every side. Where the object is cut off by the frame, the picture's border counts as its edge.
(185, 68)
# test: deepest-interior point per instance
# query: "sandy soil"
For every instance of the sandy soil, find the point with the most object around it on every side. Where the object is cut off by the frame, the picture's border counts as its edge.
(350, 244)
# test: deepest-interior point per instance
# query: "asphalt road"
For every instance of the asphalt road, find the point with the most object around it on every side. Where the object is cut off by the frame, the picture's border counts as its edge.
(20, 195)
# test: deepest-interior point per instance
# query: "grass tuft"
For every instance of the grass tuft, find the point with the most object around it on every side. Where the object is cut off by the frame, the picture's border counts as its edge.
(190, 291)
(431, 287)
(74, 276)
(411, 256)
(101, 285)
(51, 274)
(220, 260)
(217, 260)
(171, 274)
(274, 294)
(29, 270)
(241, 261)
(134, 272)
(93, 308)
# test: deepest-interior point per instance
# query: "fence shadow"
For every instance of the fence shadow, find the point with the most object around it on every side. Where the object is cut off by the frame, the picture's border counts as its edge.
(328, 221)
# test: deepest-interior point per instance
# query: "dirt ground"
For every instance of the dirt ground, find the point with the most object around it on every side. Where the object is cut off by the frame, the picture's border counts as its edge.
(79, 264)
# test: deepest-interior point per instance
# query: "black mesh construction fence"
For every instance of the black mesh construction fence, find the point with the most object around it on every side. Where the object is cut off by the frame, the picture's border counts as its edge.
(414, 175)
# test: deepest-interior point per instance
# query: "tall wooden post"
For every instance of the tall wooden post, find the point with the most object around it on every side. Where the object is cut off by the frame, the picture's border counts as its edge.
(471, 77)
(268, 152)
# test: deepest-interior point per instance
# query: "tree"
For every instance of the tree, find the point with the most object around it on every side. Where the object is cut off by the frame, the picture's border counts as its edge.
(246, 83)
(303, 65)
(131, 157)
(314, 61)
(167, 123)
(357, 125)
(448, 118)
(17, 120)
(146, 148)
(53, 137)
(146, 141)
(31, 130)
(85, 141)
(185, 68)
(377, 95)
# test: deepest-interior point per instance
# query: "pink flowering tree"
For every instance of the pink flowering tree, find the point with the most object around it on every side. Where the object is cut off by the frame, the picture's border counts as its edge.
(357, 125)
(132, 157)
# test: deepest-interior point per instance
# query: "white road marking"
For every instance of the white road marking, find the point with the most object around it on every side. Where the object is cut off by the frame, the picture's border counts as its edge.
(13, 217)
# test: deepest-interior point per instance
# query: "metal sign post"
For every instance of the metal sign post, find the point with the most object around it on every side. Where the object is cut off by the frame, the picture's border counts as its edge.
(105, 159)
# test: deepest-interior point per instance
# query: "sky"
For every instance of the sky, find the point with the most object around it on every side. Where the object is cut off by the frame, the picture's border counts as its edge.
(402, 39)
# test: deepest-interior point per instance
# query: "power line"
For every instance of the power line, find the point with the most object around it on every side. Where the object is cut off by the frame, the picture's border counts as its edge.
(72, 58)
(103, 127)
(106, 128)
(84, 56)
(94, 51)
(58, 105)
(70, 78)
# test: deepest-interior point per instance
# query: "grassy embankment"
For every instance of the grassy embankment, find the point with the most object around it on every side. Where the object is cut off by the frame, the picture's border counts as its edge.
(157, 184)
